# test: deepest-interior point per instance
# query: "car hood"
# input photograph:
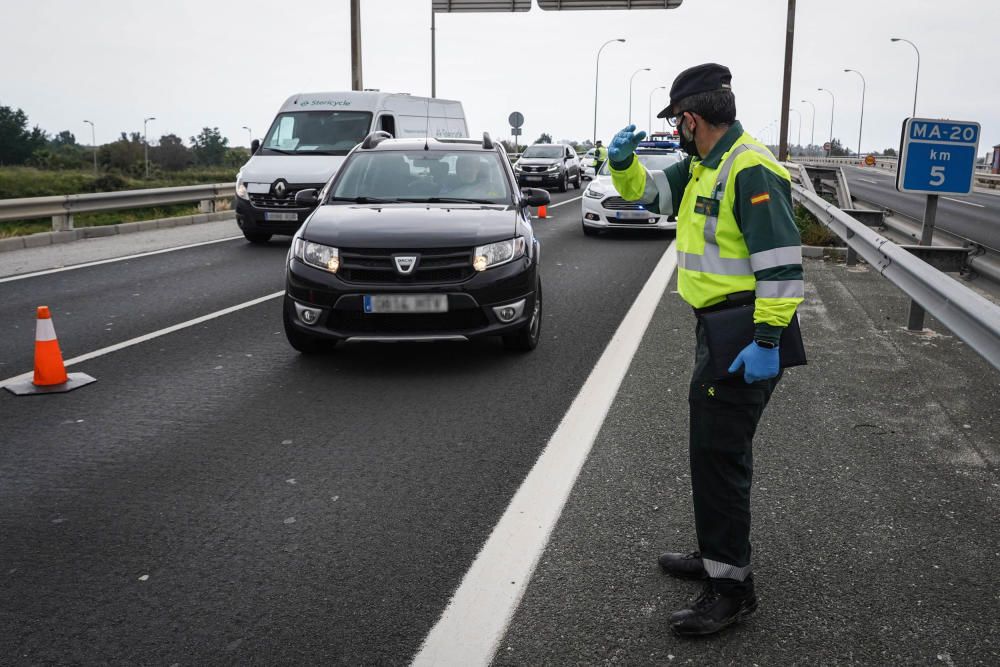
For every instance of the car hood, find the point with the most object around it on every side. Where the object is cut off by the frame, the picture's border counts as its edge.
(410, 226)
(604, 184)
(295, 169)
(538, 161)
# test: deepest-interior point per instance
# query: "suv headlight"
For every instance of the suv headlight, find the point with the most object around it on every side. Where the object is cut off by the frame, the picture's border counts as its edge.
(316, 254)
(241, 188)
(554, 167)
(517, 166)
(495, 254)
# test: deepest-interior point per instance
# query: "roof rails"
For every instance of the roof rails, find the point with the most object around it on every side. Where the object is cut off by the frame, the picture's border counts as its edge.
(487, 142)
(375, 138)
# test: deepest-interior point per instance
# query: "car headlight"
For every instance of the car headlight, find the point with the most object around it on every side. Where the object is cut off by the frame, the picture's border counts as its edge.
(517, 166)
(495, 254)
(593, 193)
(553, 167)
(241, 188)
(316, 254)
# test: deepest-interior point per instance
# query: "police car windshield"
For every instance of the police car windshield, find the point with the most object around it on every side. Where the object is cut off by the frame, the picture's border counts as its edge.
(423, 177)
(316, 132)
(651, 161)
(543, 151)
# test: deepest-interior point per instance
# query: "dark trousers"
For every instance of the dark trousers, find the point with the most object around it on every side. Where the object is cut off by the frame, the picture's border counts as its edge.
(724, 416)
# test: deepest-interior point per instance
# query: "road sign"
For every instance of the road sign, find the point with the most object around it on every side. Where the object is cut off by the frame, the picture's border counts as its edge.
(451, 6)
(937, 156)
(556, 5)
(870, 160)
(827, 146)
(516, 119)
(515, 131)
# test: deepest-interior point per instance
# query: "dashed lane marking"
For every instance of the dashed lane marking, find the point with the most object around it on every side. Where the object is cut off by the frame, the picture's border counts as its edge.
(477, 616)
(150, 336)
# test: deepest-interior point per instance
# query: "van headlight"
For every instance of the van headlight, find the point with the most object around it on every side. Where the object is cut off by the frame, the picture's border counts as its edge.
(316, 254)
(241, 189)
(495, 254)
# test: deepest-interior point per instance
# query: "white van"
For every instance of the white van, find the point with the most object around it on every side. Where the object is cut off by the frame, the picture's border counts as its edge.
(307, 142)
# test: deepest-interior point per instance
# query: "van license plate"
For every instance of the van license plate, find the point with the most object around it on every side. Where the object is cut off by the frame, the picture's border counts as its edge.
(280, 216)
(406, 303)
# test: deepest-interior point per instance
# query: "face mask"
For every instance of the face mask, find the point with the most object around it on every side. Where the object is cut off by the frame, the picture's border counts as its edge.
(687, 142)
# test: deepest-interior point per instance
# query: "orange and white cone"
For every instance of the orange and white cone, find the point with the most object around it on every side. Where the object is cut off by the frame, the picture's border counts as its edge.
(50, 375)
(542, 212)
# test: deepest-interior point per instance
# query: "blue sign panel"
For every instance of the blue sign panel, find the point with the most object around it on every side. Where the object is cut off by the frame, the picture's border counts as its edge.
(937, 156)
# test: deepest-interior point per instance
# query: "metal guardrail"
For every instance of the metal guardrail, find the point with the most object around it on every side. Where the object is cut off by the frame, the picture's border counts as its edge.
(982, 179)
(62, 208)
(968, 315)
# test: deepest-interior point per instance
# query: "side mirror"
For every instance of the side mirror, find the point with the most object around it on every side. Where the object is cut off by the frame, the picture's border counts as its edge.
(535, 197)
(307, 197)
(254, 146)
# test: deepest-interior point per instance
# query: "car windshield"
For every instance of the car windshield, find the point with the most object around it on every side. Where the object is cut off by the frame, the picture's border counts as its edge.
(651, 161)
(422, 176)
(543, 151)
(316, 132)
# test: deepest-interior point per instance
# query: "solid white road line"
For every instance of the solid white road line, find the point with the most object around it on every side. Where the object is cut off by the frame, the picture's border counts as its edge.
(577, 198)
(962, 201)
(35, 274)
(469, 630)
(151, 336)
(868, 180)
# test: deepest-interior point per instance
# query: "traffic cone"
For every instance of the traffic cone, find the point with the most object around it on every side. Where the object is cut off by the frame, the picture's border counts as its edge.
(542, 212)
(50, 375)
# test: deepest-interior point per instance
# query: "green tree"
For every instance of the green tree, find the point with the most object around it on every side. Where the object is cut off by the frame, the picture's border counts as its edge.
(838, 150)
(891, 152)
(546, 138)
(17, 143)
(171, 154)
(124, 155)
(64, 138)
(209, 147)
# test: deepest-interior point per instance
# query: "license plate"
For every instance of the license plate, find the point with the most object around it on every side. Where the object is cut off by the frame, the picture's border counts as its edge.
(632, 215)
(281, 216)
(406, 303)
(534, 178)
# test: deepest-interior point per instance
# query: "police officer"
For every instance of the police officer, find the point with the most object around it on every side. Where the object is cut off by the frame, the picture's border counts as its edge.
(737, 243)
(600, 156)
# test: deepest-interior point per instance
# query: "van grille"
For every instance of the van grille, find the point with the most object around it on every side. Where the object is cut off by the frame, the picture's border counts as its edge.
(270, 200)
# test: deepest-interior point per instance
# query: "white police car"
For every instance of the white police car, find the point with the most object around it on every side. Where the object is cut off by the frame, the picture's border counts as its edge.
(604, 208)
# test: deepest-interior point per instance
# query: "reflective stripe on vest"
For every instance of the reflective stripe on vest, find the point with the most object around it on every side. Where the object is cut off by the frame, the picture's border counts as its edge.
(719, 189)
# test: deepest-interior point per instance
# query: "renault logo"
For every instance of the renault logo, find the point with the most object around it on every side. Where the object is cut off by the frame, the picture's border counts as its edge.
(405, 263)
(280, 188)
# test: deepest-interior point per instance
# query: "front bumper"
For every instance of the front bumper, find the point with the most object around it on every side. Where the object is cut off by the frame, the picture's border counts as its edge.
(525, 180)
(471, 305)
(253, 219)
(597, 216)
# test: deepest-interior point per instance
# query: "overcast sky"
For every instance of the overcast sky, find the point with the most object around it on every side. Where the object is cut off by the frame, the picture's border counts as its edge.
(228, 63)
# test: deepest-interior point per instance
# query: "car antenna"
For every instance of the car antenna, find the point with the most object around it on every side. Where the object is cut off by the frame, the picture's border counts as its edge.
(427, 125)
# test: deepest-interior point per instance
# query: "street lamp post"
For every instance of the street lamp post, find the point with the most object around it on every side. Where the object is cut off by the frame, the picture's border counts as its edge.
(812, 136)
(597, 73)
(93, 142)
(250, 133)
(916, 83)
(832, 104)
(145, 141)
(798, 142)
(650, 119)
(861, 123)
(641, 69)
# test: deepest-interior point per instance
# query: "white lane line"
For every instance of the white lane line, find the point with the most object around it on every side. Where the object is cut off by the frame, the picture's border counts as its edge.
(577, 198)
(477, 616)
(962, 201)
(35, 274)
(150, 336)
(868, 180)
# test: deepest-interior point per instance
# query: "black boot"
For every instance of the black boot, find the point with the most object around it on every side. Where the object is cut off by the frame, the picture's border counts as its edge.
(684, 566)
(714, 610)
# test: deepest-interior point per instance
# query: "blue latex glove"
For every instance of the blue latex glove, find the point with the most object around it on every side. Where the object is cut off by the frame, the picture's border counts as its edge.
(759, 363)
(624, 144)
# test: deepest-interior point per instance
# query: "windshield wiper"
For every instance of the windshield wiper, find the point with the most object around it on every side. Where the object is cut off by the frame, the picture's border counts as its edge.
(316, 152)
(278, 150)
(365, 200)
(456, 200)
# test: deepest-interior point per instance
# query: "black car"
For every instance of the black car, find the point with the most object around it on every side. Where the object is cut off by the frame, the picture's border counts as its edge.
(549, 165)
(416, 239)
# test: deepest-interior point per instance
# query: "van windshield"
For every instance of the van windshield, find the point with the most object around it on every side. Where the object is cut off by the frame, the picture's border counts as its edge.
(422, 176)
(316, 132)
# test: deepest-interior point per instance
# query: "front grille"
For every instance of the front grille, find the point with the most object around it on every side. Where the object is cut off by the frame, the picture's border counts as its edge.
(270, 200)
(619, 204)
(357, 322)
(534, 170)
(376, 266)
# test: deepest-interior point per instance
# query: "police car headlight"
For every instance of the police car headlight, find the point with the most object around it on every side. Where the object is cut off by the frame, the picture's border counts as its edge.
(593, 193)
(241, 188)
(316, 254)
(495, 254)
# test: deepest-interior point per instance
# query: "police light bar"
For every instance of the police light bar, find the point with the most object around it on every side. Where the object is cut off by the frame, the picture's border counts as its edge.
(659, 144)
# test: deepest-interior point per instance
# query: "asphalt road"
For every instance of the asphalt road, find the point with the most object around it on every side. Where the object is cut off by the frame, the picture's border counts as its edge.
(217, 499)
(975, 217)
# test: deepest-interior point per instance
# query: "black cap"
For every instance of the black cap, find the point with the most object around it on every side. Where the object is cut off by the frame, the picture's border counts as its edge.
(698, 79)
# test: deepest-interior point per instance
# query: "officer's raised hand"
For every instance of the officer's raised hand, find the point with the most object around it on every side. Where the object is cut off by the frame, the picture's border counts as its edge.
(758, 362)
(624, 144)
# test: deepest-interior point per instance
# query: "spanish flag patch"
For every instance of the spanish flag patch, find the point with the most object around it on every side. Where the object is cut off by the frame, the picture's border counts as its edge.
(761, 198)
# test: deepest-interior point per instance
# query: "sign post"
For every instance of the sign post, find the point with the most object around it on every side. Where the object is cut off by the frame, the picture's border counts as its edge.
(516, 120)
(935, 157)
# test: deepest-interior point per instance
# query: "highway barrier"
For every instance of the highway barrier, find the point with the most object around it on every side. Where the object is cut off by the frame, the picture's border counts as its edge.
(968, 315)
(984, 180)
(62, 208)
